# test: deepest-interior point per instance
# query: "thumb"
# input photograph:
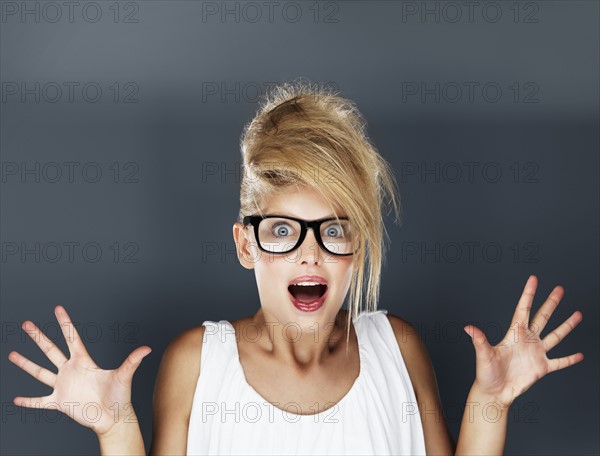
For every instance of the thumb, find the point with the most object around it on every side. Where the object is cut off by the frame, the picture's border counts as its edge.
(482, 347)
(130, 365)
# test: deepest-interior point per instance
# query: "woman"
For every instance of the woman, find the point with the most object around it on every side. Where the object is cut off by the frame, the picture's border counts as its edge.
(303, 375)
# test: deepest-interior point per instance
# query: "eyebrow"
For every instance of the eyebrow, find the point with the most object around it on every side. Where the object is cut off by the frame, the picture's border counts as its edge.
(285, 213)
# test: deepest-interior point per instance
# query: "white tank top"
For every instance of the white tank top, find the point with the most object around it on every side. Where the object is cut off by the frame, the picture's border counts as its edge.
(378, 415)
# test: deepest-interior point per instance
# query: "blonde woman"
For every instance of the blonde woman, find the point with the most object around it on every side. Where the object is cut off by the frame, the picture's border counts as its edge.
(303, 375)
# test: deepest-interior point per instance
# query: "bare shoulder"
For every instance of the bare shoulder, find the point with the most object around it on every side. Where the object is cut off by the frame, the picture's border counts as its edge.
(400, 326)
(438, 439)
(187, 343)
(415, 354)
(174, 392)
(180, 364)
(412, 347)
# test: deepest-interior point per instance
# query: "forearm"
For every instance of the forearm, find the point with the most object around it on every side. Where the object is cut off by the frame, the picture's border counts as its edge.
(123, 439)
(483, 427)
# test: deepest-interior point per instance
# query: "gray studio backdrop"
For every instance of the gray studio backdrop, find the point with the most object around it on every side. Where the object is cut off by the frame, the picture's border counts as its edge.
(120, 127)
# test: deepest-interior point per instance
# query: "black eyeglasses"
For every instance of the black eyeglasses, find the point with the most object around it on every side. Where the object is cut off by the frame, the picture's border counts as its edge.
(282, 234)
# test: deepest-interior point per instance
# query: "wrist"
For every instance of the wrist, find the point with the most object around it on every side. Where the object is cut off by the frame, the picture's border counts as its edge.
(484, 396)
(119, 429)
(124, 438)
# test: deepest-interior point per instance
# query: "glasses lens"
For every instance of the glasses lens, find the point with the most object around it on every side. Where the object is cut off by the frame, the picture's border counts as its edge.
(279, 235)
(337, 236)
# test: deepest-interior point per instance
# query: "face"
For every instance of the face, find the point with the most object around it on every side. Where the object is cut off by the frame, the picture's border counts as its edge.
(275, 272)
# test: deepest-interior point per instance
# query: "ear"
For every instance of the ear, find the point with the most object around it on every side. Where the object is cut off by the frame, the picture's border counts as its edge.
(247, 253)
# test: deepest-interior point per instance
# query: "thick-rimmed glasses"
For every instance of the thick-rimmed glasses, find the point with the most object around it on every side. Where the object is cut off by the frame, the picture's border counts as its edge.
(283, 234)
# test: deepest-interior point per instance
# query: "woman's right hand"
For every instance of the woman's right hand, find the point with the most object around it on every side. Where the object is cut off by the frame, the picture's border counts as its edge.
(94, 397)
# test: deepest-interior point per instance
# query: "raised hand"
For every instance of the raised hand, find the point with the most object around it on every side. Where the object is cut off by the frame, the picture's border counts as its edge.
(91, 396)
(507, 370)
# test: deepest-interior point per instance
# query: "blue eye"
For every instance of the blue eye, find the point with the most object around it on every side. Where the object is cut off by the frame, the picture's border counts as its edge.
(333, 230)
(282, 229)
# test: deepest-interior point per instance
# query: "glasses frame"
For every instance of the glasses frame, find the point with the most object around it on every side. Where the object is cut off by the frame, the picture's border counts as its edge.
(315, 225)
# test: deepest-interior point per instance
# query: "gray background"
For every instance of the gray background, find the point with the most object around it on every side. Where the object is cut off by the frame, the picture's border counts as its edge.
(176, 144)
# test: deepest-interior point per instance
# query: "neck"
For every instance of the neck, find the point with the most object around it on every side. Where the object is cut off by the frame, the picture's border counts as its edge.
(302, 348)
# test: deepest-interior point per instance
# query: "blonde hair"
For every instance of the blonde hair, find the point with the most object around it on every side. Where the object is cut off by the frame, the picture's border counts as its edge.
(305, 135)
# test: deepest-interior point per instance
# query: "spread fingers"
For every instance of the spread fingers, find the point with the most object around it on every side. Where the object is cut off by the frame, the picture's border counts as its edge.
(38, 372)
(46, 345)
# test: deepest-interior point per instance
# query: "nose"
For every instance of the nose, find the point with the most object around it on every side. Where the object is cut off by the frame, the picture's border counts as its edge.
(310, 248)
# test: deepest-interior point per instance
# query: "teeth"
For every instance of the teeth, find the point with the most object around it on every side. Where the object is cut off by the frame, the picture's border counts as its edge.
(307, 284)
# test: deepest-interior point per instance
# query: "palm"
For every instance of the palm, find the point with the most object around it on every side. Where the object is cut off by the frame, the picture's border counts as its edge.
(97, 394)
(91, 396)
(508, 369)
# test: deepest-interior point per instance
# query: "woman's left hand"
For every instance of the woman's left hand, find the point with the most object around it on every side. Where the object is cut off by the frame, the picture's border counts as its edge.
(507, 370)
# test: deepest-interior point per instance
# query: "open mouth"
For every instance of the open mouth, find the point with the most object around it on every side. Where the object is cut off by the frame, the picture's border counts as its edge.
(307, 293)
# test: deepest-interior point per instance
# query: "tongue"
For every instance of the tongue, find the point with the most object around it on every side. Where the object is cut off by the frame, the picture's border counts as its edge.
(307, 293)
